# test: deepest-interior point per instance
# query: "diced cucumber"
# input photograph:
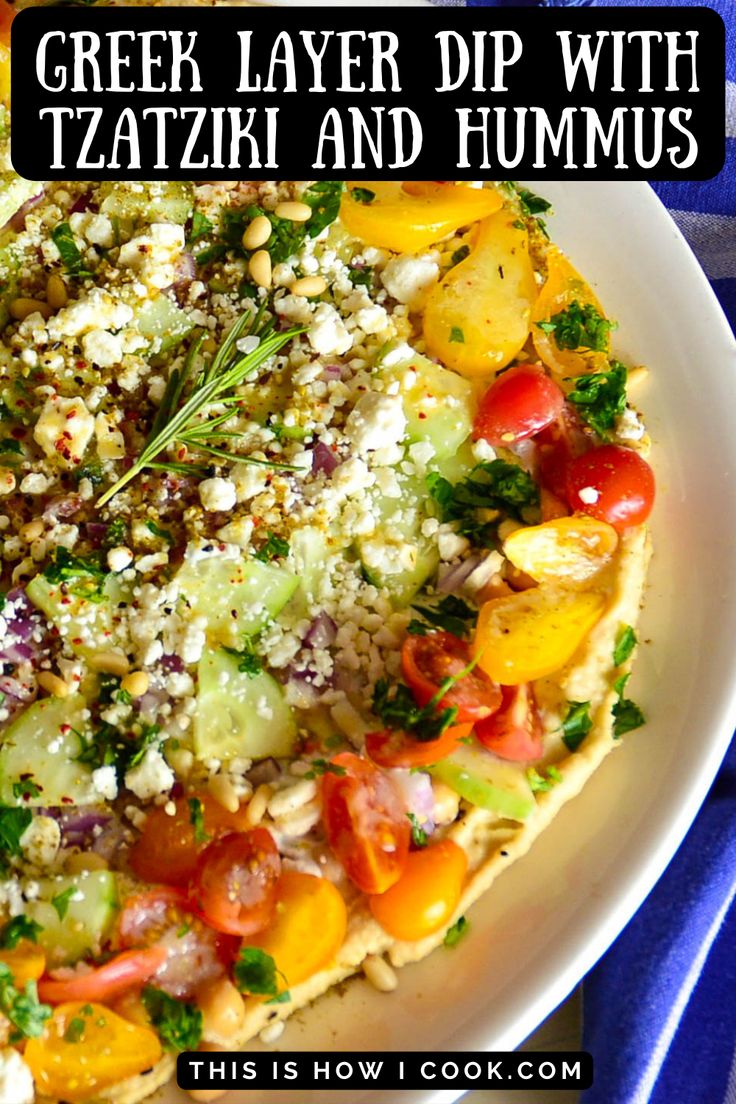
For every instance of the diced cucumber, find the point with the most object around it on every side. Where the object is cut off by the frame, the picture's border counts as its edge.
(163, 323)
(310, 548)
(396, 554)
(439, 404)
(152, 201)
(237, 597)
(14, 191)
(9, 264)
(86, 626)
(88, 914)
(486, 781)
(458, 466)
(41, 747)
(239, 716)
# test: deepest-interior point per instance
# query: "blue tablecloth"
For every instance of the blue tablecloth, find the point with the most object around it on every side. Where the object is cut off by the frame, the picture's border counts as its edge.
(660, 1007)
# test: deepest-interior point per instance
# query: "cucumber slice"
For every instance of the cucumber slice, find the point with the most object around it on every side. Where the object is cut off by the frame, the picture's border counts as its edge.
(439, 406)
(14, 191)
(237, 597)
(162, 322)
(87, 627)
(396, 555)
(152, 201)
(41, 746)
(86, 922)
(239, 716)
(486, 781)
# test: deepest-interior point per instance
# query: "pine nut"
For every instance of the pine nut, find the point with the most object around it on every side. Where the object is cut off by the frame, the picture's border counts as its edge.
(119, 558)
(259, 267)
(131, 1007)
(25, 570)
(258, 804)
(82, 861)
(293, 211)
(292, 798)
(446, 803)
(257, 233)
(300, 821)
(637, 375)
(221, 1005)
(272, 1032)
(110, 663)
(135, 684)
(56, 295)
(31, 530)
(309, 286)
(206, 1096)
(222, 790)
(21, 308)
(381, 976)
(50, 682)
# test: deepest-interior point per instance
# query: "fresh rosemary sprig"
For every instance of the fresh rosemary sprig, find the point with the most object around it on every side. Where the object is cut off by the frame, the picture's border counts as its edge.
(184, 419)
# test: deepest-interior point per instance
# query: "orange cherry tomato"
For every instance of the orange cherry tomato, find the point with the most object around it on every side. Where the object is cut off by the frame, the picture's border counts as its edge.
(392, 748)
(26, 962)
(515, 732)
(613, 484)
(99, 1051)
(427, 893)
(234, 886)
(124, 972)
(366, 823)
(428, 660)
(307, 929)
(167, 851)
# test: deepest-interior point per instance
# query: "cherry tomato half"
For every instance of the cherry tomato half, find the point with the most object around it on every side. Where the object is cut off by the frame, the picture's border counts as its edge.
(126, 971)
(613, 484)
(166, 850)
(366, 823)
(520, 403)
(515, 732)
(392, 748)
(234, 886)
(7, 14)
(428, 660)
(558, 444)
(426, 894)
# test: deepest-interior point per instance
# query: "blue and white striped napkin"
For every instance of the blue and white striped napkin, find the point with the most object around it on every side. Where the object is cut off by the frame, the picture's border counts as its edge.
(660, 1006)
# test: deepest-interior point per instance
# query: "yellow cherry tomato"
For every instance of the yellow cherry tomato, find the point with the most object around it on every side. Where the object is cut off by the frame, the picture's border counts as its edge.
(426, 894)
(408, 221)
(307, 930)
(524, 636)
(26, 962)
(5, 74)
(477, 319)
(564, 285)
(86, 1048)
(565, 550)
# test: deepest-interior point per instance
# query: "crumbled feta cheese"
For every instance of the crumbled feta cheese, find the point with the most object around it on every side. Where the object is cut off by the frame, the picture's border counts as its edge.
(16, 1079)
(408, 278)
(119, 558)
(102, 348)
(41, 841)
(153, 256)
(34, 483)
(350, 477)
(98, 310)
(104, 780)
(217, 494)
(152, 776)
(328, 334)
(376, 422)
(629, 426)
(110, 440)
(249, 480)
(450, 544)
(482, 451)
(64, 430)
(589, 495)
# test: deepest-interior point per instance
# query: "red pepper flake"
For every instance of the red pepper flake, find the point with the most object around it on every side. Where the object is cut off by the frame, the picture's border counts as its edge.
(422, 415)
(71, 413)
(67, 800)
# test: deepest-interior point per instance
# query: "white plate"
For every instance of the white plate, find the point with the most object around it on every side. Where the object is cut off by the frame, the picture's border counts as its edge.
(549, 918)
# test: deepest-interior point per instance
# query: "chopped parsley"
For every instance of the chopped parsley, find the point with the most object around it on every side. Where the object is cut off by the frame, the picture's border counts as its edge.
(320, 767)
(492, 485)
(61, 901)
(117, 533)
(418, 836)
(281, 998)
(9, 444)
(576, 725)
(20, 927)
(457, 335)
(460, 254)
(273, 549)
(157, 531)
(362, 195)
(26, 788)
(601, 398)
(71, 257)
(13, 823)
(249, 661)
(201, 228)
(178, 1023)
(626, 714)
(196, 819)
(541, 781)
(74, 1030)
(109, 747)
(456, 932)
(400, 711)
(82, 577)
(23, 1009)
(625, 643)
(255, 972)
(579, 326)
(451, 614)
(360, 277)
(531, 206)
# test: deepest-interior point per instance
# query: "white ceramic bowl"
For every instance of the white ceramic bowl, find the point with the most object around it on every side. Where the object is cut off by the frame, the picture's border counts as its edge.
(548, 919)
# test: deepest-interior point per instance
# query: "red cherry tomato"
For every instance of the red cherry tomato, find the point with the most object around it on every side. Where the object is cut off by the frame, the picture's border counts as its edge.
(234, 886)
(519, 404)
(124, 972)
(515, 732)
(428, 660)
(392, 748)
(7, 14)
(366, 823)
(558, 444)
(612, 484)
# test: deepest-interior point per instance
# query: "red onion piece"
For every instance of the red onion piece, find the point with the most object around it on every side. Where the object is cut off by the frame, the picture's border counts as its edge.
(452, 580)
(415, 788)
(331, 372)
(62, 506)
(82, 204)
(323, 459)
(96, 532)
(172, 664)
(185, 271)
(321, 633)
(265, 771)
(14, 688)
(78, 827)
(17, 221)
